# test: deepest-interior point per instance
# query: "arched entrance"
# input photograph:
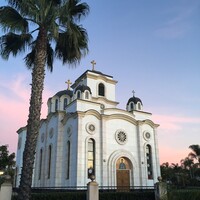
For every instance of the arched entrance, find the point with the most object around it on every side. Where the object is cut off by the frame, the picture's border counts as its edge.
(123, 172)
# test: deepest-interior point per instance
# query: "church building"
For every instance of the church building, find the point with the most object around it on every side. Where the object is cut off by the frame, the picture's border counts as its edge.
(86, 134)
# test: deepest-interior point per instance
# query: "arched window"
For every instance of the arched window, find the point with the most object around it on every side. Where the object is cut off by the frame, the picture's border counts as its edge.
(56, 105)
(16, 175)
(65, 103)
(132, 106)
(78, 95)
(68, 160)
(49, 161)
(91, 157)
(40, 164)
(86, 95)
(139, 106)
(101, 89)
(149, 162)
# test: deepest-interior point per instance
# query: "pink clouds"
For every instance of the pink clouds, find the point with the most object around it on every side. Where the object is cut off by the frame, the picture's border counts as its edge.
(14, 104)
(174, 123)
(172, 155)
(175, 135)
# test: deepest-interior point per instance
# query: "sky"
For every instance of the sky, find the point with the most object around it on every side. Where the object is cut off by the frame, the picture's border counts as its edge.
(151, 47)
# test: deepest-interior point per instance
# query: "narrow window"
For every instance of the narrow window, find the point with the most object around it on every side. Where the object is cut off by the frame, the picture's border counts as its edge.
(101, 89)
(78, 95)
(132, 106)
(40, 164)
(139, 106)
(16, 175)
(50, 107)
(68, 160)
(86, 95)
(49, 162)
(91, 157)
(56, 105)
(149, 162)
(65, 103)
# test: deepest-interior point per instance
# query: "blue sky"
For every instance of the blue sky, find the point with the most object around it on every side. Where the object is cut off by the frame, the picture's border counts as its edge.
(152, 47)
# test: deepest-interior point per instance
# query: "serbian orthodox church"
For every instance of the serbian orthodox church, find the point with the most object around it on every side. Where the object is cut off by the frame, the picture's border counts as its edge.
(86, 134)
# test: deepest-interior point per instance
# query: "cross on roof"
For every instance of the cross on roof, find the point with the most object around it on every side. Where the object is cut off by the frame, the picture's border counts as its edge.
(68, 84)
(133, 93)
(93, 63)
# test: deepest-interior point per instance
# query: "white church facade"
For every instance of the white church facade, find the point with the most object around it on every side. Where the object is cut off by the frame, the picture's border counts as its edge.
(86, 134)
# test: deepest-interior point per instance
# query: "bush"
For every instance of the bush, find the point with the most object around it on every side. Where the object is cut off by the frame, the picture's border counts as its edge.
(146, 195)
(57, 195)
(184, 194)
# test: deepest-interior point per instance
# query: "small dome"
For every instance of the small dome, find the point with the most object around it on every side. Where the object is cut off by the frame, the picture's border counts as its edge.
(64, 92)
(82, 88)
(134, 100)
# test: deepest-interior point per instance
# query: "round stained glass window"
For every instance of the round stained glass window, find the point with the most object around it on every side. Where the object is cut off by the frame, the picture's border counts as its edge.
(121, 137)
(147, 135)
(90, 128)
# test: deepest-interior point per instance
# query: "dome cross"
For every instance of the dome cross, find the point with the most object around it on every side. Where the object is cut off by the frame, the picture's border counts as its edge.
(68, 84)
(133, 93)
(93, 64)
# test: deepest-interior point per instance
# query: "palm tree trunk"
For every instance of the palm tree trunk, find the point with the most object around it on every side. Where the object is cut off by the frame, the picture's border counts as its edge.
(33, 122)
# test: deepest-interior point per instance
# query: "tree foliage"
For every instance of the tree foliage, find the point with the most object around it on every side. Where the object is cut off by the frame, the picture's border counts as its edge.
(7, 161)
(185, 174)
(44, 29)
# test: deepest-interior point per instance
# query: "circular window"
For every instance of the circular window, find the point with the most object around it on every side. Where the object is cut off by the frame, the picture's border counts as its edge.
(121, 137)
(90, 128)
(102, 106)
(147, 135)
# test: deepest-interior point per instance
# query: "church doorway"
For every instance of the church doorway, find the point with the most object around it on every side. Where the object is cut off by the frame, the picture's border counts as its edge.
(123, 174)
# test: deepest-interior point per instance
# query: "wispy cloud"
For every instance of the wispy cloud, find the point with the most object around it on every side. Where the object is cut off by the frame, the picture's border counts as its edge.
(180, 21)
(174, 123)
(14, 104)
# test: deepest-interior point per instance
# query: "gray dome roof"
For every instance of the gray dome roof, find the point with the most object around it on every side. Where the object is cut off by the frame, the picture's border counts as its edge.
(64, 92)
(82, 88)
(134, 100)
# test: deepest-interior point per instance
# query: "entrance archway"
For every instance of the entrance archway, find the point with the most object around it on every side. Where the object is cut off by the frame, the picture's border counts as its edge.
(123, 171)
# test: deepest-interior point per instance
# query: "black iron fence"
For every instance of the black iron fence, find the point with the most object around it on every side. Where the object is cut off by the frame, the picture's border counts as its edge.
(84, 189)
(79, 193)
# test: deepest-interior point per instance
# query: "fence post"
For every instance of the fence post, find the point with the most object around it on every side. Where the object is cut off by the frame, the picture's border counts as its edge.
(160, 190)
(6, 189)
(92, 189)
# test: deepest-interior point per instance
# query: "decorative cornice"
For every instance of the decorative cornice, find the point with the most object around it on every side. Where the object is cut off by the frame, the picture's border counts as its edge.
(115, 103)
(149, 122)
(24, 128)
(100, 77)
(121, 116)
(94, 113)
(68, 116)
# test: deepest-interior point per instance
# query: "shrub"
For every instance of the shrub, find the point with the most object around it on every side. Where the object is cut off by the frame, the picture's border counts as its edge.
(184, 194)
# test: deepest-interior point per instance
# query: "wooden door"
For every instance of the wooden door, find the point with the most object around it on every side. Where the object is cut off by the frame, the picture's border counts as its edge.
(123, 180)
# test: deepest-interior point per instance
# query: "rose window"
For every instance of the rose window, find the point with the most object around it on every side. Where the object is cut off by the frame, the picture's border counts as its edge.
(121, 137)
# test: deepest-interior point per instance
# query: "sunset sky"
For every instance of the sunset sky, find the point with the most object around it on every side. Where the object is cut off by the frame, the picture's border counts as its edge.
(152, 47)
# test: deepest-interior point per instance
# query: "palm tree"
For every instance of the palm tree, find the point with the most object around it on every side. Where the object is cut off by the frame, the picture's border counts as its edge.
(188, 164)
(195, 152)
(35, 26)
